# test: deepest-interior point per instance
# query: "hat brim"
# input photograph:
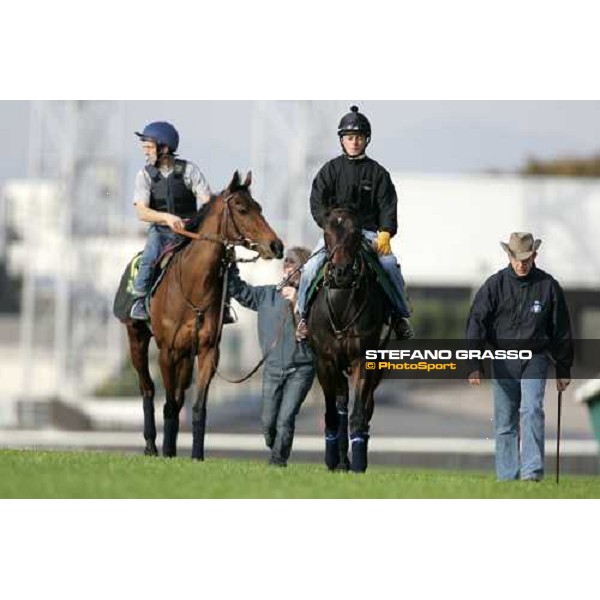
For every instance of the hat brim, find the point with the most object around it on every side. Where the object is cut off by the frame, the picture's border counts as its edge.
(521, 255)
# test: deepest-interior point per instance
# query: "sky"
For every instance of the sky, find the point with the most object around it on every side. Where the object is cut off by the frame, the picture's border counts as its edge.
(414, 136)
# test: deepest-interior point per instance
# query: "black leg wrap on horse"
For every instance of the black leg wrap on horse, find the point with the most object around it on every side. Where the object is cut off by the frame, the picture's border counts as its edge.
(198, 428)
(170, 437)
(360, 442)
(149, 422)
(332, 449)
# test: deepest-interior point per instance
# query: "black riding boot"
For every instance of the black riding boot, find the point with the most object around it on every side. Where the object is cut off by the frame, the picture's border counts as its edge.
(402, 328)
(228, 318)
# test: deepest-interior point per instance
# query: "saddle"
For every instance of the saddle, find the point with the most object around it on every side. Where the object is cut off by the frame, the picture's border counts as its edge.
(124, 298)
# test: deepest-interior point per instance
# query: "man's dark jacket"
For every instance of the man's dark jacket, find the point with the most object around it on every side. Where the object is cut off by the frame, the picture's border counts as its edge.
(530, 308)
(362, 185)
(275, 318)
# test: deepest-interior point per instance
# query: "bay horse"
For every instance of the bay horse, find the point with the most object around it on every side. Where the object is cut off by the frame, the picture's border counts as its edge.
(186, 311)
(349, 309)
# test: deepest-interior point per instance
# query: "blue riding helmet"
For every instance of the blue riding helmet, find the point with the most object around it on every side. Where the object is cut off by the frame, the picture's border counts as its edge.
(161, 133)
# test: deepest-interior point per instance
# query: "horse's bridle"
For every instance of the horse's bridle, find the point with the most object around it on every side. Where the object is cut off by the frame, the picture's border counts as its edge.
(341, 332)
(239, 240)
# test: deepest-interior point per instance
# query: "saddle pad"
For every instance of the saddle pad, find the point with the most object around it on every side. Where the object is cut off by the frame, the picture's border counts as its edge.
(373, 264)
(124, 299)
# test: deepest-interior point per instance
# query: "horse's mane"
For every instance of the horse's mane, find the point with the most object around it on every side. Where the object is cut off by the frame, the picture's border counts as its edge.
(194, 223)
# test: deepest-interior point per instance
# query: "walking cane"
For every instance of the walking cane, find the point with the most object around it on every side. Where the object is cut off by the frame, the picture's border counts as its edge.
(558, 438)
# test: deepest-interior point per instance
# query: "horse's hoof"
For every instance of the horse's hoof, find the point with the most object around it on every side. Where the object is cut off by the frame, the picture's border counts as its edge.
(169, 453)
(331, 465)
(150, 451)
(344, 465)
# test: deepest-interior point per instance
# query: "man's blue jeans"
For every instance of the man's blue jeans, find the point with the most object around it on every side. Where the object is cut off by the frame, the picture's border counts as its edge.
(283, 395)
(388, 262)
(518, 388)
(159, 236)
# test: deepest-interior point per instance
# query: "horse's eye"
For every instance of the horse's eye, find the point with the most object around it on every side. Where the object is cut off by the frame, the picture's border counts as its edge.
(242, 209)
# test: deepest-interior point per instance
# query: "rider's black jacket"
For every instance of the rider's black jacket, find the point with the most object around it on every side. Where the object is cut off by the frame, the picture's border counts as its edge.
(532, 308)
(363, 185)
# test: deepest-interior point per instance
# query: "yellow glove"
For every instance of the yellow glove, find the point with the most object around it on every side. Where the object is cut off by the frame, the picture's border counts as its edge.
(383, 242)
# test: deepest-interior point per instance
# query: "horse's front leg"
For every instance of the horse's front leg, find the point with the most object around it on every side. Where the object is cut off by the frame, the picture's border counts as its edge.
(168, 362)
(208, 358)
(327, 378)
(341, 404)
(362, 411)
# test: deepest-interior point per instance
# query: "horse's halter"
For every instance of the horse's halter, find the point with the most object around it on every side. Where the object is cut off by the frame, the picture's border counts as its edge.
(358, 269)
(356, 265)
(239, 240)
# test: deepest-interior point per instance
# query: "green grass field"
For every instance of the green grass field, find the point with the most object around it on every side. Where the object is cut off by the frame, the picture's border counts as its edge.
(29, 474)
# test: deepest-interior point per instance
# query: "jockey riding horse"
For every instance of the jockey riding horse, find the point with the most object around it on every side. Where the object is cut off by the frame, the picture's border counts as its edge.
(356, 182)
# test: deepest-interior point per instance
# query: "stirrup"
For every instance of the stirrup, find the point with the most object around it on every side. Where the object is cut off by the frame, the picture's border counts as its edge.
(138, 310)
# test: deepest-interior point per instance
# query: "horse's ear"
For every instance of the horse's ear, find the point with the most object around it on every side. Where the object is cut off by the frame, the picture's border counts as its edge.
(248, 180)
(234, 184)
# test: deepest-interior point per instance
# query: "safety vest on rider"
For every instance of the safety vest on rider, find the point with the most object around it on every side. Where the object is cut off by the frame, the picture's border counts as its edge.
(170, 194)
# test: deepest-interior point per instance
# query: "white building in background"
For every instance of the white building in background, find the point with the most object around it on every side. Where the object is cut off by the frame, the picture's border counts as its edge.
(450, 226)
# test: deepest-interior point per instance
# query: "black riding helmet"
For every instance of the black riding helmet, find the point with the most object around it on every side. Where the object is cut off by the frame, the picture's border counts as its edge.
(354, 122)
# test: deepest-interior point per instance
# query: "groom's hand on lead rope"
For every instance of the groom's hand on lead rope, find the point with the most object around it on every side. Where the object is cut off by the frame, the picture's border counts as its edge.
(383, 242)
(289, 293)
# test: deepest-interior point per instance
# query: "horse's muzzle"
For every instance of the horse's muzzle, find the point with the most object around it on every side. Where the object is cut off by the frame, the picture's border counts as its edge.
(276, 248)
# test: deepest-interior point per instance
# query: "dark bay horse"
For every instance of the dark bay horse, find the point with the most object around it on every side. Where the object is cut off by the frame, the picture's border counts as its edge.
(350, 308)
(186, 309)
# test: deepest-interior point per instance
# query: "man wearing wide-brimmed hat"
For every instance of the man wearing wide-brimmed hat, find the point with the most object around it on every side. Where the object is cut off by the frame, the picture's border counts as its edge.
(522, 305)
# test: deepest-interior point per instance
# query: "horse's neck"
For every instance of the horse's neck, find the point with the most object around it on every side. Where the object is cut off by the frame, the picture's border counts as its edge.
(206, 255)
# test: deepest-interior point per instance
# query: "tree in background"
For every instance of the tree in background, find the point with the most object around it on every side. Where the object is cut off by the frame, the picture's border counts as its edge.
(567, 166)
